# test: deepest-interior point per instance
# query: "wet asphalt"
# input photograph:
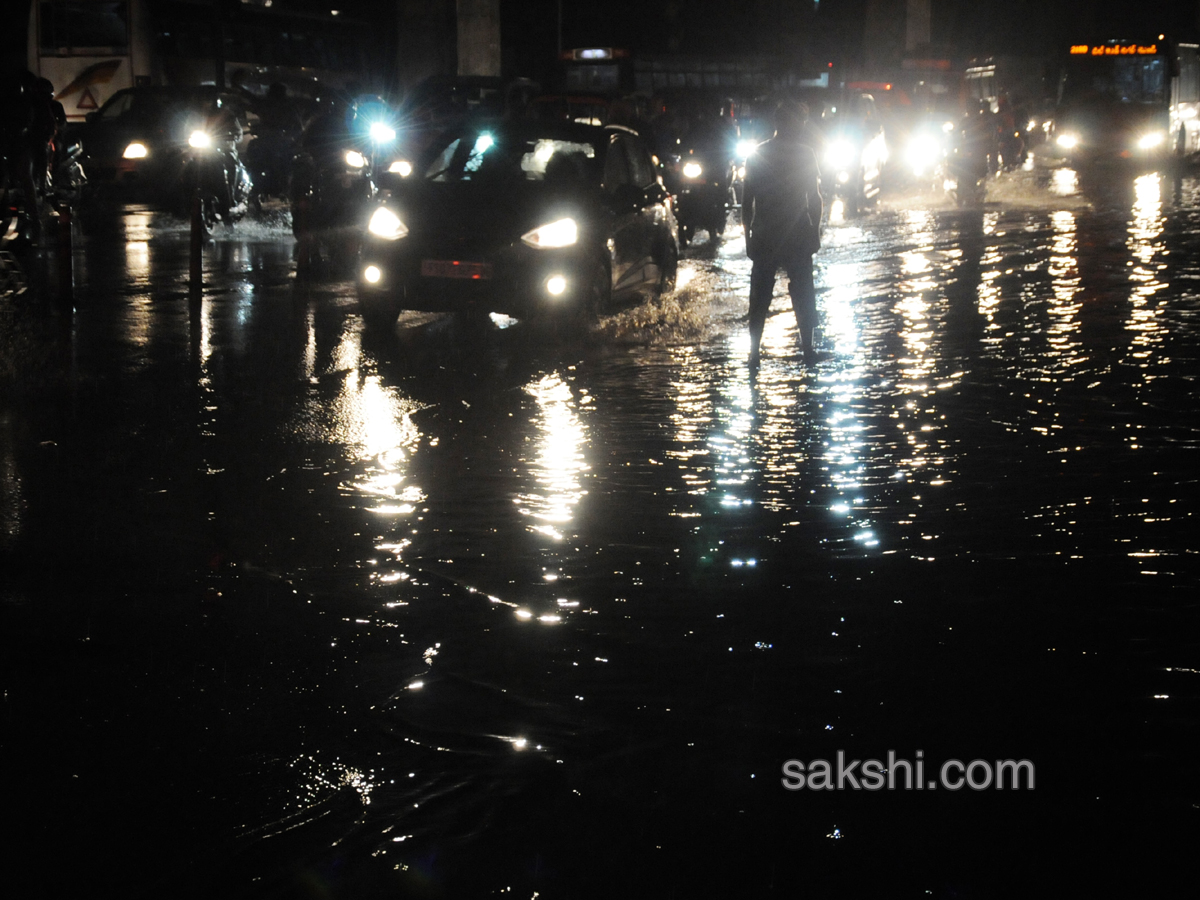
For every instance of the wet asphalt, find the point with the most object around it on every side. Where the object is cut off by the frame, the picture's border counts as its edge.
(294, 609)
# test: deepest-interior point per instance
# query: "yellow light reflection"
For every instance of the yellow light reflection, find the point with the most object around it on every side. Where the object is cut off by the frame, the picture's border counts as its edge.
(1146, 244)
(560, 461)
(1063, 331)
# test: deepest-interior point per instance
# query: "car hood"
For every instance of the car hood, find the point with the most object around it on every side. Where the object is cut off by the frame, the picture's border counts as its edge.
(467, 213)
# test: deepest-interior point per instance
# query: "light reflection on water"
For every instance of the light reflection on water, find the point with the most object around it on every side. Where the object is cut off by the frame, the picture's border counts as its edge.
(975, 395)
(559, 465)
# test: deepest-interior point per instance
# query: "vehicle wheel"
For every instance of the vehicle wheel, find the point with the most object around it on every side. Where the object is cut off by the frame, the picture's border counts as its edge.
(379, 311)
(668, 268)
(208, 213)
(597, 298)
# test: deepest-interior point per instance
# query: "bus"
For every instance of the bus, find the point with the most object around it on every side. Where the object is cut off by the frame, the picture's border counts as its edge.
(1132, 99)
(90, 49)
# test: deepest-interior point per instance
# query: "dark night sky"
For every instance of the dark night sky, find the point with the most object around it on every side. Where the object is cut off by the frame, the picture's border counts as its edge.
(976, 27)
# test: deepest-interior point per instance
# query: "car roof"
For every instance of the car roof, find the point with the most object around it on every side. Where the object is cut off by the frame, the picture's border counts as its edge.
(556, 128)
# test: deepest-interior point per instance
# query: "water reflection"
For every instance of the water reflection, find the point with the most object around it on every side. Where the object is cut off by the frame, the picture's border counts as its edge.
(559, 464)
(1145, 243)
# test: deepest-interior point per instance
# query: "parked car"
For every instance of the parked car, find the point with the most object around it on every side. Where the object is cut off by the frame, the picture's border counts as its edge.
(534, 219)
(136, 144)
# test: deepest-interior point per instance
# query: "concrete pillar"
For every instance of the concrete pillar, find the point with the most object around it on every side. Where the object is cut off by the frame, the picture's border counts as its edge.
(479, 37)
(917, 22)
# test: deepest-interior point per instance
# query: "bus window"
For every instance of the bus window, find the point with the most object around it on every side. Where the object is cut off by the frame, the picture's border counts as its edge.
(73, 24)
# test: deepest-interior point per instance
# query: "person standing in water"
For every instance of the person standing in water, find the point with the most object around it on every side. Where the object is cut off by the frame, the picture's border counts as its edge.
(782, 210)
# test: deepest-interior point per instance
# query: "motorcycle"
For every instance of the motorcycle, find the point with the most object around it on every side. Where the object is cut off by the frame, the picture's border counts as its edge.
(971, 159)
(214, 176)
(66, 181)
(334, 178)
(965, 176)
(702, 184)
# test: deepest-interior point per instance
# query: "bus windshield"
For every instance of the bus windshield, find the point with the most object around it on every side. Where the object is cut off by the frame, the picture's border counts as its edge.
(1128, 79)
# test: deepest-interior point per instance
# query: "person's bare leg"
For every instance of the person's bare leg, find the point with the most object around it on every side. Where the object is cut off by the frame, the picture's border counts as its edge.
(762, 286)
(804, 303)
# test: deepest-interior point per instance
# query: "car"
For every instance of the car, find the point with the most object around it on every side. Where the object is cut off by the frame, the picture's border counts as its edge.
(536, 219)
(136, 144)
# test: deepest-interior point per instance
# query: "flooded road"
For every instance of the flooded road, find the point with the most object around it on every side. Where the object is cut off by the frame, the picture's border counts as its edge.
(294, 610)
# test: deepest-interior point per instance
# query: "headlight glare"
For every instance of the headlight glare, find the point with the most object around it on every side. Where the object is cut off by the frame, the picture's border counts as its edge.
(1067, 141)
(401, 167)
(1150, 140)
(355, 160)
(387, 225)
(201, 140)
(692, 170)
(841, 155)
(746, 148)
(136, 150)
(382, 133)
(563, 233)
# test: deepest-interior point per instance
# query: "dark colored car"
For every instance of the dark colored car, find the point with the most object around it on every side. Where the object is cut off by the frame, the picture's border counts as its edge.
(135, 145)
(533, 219)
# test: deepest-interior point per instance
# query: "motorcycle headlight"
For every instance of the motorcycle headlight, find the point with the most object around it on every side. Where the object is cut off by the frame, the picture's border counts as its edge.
(201, 140)
(1067, 141)
(692, 170)
(1150, 140)
(562, 233)
(401, 167)
(387, 225)
(355, 160)
(746, 148)
(923, 153)
(136, 150)
(841, 155)
(382, 133)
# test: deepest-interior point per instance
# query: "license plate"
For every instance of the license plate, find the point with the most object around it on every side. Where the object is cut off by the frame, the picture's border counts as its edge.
(446, 268)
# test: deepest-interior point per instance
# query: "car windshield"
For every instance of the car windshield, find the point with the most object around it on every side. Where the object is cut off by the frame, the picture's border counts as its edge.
(495, 156)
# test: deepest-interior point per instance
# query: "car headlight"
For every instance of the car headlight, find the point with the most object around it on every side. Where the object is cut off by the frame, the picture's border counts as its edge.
(746, 148)
(692, 170)
(387, 225)
(201, 140)
(1067, 141)
(136, 150)
(355, 160)
(562, 233)
(841, 155)
(1150, 140)
(382, 133)
(401, 167)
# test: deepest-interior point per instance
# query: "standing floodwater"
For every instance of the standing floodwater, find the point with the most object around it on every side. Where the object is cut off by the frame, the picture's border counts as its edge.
(294, 610)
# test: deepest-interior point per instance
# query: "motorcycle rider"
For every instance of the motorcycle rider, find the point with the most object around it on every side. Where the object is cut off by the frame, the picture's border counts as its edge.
(279, 125)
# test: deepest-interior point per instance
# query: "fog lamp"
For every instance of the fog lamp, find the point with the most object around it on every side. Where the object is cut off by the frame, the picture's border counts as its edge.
(556, 285)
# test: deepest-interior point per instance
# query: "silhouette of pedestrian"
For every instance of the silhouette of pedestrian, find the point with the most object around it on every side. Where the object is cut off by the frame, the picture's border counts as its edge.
(782, 208)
